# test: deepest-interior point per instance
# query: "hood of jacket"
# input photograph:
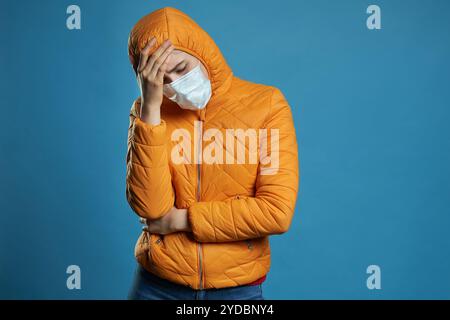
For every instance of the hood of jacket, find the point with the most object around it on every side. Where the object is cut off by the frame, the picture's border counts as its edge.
(186, 35)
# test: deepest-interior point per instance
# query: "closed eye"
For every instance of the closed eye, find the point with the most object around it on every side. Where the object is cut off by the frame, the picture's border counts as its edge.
(181, 70)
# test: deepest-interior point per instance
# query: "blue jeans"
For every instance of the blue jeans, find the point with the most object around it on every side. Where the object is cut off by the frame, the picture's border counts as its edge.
(147, 286)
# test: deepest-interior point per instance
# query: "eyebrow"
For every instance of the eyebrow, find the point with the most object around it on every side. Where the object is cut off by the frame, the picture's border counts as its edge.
(169, 71)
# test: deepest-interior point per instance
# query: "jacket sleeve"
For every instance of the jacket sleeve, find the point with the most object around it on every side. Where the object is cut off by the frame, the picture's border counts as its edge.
(271, 210)
(149, 189)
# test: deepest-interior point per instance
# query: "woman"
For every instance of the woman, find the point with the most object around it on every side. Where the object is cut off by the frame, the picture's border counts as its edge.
(212, 166)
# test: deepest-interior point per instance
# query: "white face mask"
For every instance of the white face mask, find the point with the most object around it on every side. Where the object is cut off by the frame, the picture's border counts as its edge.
(191, 91)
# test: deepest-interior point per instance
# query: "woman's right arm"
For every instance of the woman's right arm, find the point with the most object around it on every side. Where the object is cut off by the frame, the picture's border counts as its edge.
(149, 189)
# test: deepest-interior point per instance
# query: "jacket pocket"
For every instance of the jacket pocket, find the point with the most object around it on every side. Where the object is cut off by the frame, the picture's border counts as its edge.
(158, 240)
(240, 196)
(248, 242)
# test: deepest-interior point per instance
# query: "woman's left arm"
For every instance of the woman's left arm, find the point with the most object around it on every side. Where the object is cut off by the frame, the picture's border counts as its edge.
(271, 210)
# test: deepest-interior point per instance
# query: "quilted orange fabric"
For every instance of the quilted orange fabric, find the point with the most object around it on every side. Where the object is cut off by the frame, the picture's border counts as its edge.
(233, 206)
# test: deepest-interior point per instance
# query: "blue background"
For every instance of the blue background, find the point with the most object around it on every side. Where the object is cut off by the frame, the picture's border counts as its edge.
(372, 116)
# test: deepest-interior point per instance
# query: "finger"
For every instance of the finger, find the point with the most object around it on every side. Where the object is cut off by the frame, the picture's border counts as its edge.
(163, 47)
(160, 74)
(144, 54)
(161, 63)
(155, 56)
(162, 71)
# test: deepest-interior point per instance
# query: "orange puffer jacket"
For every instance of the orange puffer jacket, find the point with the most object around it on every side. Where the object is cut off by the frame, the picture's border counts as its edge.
(234, 200)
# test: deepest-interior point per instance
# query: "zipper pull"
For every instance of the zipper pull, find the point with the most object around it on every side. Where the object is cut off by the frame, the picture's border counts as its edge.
(201, 114)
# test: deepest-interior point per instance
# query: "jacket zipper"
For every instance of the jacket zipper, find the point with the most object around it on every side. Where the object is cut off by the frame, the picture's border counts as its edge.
(199, 157)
